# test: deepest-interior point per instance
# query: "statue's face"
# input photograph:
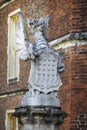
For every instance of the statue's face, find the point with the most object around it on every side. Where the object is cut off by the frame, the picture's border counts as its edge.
(39, 25)
(36, 25)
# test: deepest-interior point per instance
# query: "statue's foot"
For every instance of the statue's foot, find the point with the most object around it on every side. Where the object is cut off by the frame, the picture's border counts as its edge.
(35, 98)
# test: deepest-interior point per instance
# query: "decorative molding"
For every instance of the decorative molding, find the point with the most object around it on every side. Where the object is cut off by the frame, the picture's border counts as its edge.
(4, 3)
(14, 12)
(70, 40)
(13, 93)
(41, 115)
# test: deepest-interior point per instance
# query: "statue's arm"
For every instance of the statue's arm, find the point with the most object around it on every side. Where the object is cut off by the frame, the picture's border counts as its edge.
(24, 47)
(26, 52)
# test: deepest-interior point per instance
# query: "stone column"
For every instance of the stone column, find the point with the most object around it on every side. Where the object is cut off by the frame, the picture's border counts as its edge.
(40, 117)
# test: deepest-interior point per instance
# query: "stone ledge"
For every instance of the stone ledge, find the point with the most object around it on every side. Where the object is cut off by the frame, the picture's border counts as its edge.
(54, 115)
(69, 37)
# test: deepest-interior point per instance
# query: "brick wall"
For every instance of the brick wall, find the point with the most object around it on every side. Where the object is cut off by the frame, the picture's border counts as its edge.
(79, 87)
(67, 17)
(80, 122)
(73, 93)
(77, 16)
(8, 103)
(65, 91)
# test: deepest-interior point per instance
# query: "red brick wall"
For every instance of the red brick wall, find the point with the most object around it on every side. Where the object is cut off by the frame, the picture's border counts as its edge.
(79, 87)
(65, 91)
(8, 103)
(67, 17)
(73, 93)
(77, 16)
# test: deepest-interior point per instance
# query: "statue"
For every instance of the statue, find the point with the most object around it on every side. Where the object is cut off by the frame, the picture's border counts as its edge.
(46, 63)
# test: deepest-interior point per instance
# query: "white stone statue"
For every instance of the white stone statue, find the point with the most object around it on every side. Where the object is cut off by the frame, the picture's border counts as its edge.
(46, 63)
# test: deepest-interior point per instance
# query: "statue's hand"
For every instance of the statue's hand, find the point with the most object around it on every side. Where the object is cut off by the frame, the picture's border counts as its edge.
(61, 66)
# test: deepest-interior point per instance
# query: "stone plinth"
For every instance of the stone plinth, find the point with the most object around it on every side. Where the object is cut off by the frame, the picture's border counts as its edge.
(40, 117)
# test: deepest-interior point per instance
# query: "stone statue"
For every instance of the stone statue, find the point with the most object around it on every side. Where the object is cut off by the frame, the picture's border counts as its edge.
(46, 64)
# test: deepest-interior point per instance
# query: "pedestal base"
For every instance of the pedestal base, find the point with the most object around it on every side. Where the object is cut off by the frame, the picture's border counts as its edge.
(40, 99)
(39, 127)
(40, 117)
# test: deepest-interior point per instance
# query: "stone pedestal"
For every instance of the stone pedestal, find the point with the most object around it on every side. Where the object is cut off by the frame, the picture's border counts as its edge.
(40, 117)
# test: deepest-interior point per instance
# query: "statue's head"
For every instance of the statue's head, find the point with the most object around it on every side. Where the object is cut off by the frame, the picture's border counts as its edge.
(39, 25)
